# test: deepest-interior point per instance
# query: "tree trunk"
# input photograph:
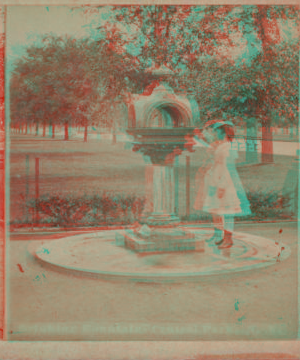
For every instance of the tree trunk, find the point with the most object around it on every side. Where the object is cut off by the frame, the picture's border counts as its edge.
(37, 129)
(66, 132)
(267, 145)
(114, 137)
(261, 20)
(26, 129)
(85, 133)
(44, 129)
(53, 131)
(251, 145)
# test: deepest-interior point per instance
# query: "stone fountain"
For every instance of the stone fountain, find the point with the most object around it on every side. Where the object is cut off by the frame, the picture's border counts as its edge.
(160, 122)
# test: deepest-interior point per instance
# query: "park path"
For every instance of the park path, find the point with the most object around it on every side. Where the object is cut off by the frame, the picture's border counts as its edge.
(258, 305)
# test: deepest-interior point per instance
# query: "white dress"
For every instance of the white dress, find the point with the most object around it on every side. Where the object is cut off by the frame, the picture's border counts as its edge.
(221, 191)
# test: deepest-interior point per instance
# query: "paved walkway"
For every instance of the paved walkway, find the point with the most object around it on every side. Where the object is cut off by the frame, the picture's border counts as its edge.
(258, 305)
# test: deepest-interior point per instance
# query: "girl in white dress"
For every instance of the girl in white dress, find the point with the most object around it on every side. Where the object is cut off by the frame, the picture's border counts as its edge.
(221, 192)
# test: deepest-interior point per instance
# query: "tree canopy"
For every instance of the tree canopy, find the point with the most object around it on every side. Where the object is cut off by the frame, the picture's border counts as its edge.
(54, 82)
(80, 80)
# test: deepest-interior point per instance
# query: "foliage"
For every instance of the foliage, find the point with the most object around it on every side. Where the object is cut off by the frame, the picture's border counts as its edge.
(284, 84)
(66, 80)
(53, 82)
(111, 208)
(105, 208)
(270, 204)
(191, 41)
(165, 35)
(84, 80)
(235, 91)
(267, 82)
(265, 205)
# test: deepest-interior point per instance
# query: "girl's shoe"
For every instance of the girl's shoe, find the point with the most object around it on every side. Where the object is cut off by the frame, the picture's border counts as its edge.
(217, 235)
(220, 241)
(227, 241)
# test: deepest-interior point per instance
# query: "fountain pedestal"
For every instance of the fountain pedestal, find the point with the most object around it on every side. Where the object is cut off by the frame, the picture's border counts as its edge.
(163, 196)
(158, 239)
(161, 231)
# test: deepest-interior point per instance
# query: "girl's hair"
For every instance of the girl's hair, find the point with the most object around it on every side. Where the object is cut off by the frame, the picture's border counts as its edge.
(226, 130)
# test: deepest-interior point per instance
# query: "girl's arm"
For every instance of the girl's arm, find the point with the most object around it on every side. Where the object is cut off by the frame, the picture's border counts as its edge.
(201, 142)
(199, 138)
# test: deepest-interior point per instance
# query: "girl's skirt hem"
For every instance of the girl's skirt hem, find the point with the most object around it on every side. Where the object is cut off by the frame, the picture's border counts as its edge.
(231, 212)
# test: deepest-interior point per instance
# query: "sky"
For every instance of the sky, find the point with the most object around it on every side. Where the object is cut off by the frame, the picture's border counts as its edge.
(25, 24)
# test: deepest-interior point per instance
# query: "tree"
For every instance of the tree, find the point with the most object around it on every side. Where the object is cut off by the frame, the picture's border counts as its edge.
(182, 36)
(56, 82)
(174, 36)
(217, 23)
(264, 22)
(285, 85)
(235, 90)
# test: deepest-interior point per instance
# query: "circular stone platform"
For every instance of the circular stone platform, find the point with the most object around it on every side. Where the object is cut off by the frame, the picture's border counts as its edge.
(96, 254)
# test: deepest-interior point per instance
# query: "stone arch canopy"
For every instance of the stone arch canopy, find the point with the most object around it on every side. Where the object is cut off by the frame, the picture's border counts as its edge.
(180, 109)
(180, 113)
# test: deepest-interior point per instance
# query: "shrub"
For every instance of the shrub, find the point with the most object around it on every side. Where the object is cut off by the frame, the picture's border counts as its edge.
(58, 210)
(270, 204)
(264, 205)
(111, 208)
(105, 208)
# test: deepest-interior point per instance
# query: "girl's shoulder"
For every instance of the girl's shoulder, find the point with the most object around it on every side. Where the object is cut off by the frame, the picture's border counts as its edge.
(225, 150)
(223, 146)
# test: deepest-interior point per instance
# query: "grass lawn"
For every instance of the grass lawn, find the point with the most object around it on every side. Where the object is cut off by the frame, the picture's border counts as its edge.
(75, 167)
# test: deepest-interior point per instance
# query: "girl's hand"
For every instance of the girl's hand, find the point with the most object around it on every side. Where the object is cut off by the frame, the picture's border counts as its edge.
(189, 143)
(198, 133)
(220, 193)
